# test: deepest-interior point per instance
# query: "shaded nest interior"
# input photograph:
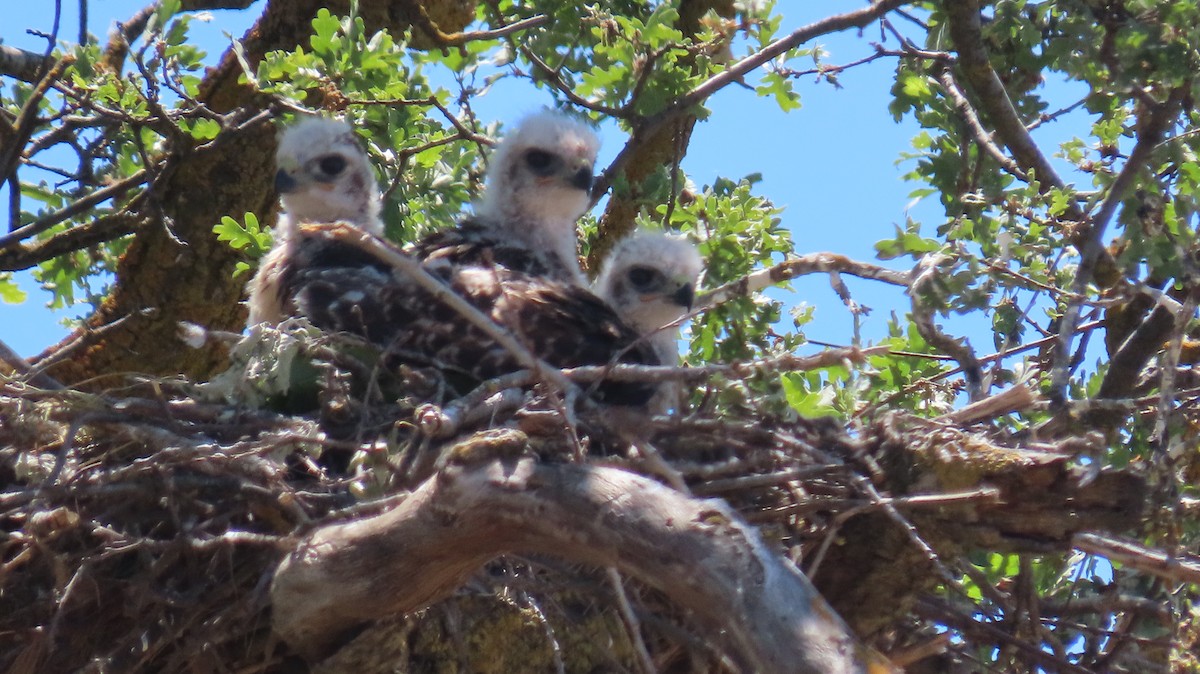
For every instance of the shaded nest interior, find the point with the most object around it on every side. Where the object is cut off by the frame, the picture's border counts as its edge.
(141, 526)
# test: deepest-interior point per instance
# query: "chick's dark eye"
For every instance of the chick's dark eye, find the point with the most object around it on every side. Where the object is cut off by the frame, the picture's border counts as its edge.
(538, 160)
(332, 165)
(642, 278)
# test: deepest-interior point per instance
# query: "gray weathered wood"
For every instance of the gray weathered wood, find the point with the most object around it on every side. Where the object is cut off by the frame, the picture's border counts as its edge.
(759, 607)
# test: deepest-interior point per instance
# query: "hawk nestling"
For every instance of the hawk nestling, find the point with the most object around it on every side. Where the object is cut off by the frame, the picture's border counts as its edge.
(538, 184)
(650, 280)
(514, 261)
(323, 175)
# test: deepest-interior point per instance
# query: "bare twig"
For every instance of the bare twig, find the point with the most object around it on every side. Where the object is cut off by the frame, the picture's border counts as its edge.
(534, 21)
(783, 363)
(944, 613)
(21, 367)
(1014, 399)
(922, 313)
(632, 624)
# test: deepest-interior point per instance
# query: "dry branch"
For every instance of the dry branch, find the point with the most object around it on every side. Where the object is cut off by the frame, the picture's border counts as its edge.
(1174, 568)
(696, 551)
(812, 263)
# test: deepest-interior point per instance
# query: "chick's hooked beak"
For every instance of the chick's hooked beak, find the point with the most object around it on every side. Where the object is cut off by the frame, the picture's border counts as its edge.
(284, 182)
(685, 296)
(582, 179)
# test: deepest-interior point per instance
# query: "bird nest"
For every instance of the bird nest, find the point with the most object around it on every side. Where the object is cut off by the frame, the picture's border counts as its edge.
(142, 529)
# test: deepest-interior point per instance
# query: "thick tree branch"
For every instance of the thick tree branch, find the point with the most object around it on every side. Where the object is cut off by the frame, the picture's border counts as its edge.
(21, 64)
(100, 230)
(1153, 129)
(77, 206)
(696, 551)
(1173, 568)
(966, 31)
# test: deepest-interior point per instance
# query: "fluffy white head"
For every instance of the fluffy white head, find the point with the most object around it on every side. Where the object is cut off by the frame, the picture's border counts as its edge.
(324, 175)
(539, 182)
(650, 280)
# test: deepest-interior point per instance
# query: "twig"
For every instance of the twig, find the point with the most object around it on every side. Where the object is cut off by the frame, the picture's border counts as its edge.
(1167, 366)
(1014, 399)
(967, 33)
(631, 621)
(555, 79)
(455, 39)
(446, 421)
(967, 113)
(85, 335)
(26, 122)
(21, 367)
(922, 314)
(975, 631)
(766, 480)
(787, 362)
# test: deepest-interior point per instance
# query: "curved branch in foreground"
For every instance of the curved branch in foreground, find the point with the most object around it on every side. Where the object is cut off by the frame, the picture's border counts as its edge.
(698, 552)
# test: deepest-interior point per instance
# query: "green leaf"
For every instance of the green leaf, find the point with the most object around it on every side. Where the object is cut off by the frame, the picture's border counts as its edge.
(807, 403)
(325, 27)
(10, 292)
(249, 236)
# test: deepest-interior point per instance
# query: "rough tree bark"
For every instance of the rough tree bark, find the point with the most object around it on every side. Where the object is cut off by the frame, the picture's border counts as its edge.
(664, 146)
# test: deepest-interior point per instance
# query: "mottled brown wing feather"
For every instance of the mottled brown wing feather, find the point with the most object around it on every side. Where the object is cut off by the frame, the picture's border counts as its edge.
(340, 287)
(473, 243)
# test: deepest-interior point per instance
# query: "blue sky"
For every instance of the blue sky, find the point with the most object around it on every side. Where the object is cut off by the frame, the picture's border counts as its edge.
(831, 164)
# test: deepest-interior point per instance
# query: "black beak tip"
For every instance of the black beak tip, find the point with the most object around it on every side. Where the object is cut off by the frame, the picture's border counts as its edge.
(685, 296)
(284, 182)
(583, 179)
